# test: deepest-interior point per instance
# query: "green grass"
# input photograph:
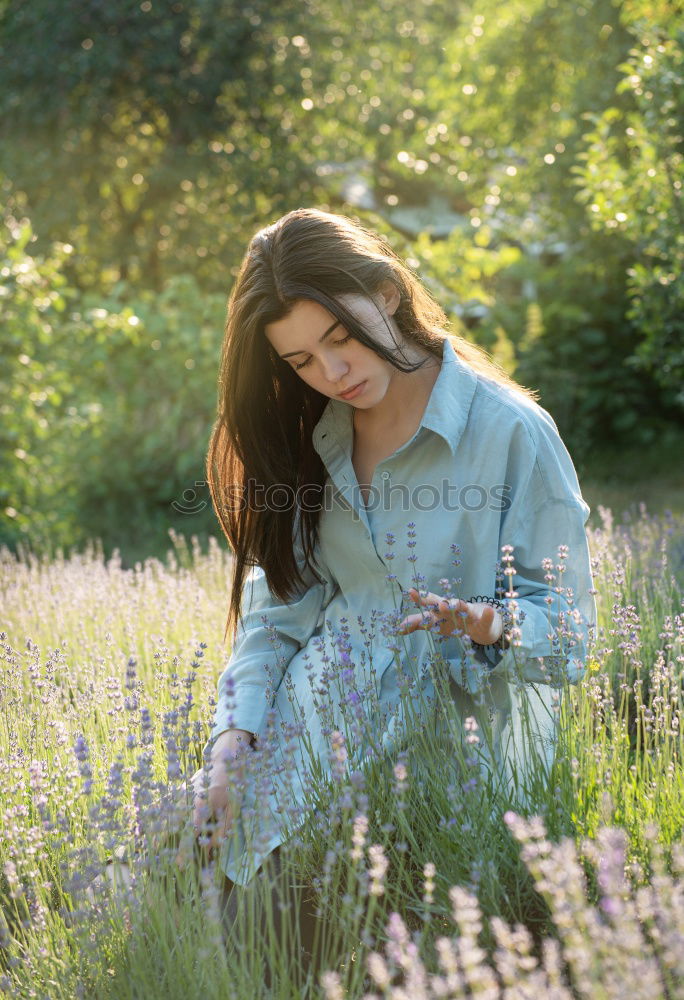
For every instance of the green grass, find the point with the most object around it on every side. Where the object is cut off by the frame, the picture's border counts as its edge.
(593, 886)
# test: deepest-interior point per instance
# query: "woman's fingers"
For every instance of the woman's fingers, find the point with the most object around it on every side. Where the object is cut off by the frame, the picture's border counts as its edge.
(480, 621)
(214, 802)
(448, 612)
(210, 793)
(209, 802)
(487, 624)
(224, 821)
(437, 603)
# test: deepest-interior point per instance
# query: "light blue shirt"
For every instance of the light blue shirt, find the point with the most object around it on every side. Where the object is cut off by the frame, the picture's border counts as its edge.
(485, 469)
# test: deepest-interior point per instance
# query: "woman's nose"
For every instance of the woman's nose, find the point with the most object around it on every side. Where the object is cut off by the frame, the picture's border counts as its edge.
(335, 369)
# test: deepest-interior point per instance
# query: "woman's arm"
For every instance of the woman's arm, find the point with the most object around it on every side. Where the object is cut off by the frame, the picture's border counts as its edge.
(554, 607)
(211, 792)
(259, 657)
(263, 649)
(552, 579)
(556, 610)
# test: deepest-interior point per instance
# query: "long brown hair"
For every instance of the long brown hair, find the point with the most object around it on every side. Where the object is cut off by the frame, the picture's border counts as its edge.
(262, 437)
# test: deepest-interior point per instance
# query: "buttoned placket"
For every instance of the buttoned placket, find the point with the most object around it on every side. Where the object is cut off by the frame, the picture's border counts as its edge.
(341, 470)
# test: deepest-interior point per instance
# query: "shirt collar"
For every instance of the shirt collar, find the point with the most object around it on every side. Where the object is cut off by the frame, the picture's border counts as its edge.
(446, 412)
(450, 400)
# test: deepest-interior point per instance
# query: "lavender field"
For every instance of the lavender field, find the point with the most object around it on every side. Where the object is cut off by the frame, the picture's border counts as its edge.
(428, 881)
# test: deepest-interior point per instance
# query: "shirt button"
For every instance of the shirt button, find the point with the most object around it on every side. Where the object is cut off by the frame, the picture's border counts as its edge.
(386, 474)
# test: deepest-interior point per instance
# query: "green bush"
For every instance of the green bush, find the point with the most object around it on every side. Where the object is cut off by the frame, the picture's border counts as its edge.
(631, 176)
(33, 387)
(107, 405)
(148, 376)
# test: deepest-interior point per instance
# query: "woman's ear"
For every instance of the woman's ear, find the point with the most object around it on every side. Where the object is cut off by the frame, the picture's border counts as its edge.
(391, 296)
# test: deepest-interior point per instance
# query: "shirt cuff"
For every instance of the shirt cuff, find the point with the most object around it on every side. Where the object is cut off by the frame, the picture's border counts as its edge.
(247, 710)
(489, 656)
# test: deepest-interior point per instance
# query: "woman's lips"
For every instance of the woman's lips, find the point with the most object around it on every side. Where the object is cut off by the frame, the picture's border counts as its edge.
(354, 391)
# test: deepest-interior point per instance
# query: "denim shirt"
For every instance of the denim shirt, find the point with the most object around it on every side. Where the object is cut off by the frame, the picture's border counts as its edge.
(485, 484)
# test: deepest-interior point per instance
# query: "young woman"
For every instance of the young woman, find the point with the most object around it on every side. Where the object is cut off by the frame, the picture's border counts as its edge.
(363, 457)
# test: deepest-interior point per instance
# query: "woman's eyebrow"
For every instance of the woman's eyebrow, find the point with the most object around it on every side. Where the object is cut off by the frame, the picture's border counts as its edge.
(320, 340)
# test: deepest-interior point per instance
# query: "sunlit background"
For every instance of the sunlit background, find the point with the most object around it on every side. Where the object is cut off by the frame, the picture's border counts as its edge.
(525, 156)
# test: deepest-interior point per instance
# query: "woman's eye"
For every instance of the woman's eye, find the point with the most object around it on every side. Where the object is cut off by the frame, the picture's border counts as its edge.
(303, 364)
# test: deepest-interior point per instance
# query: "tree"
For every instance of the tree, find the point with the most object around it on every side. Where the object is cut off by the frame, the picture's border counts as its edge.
(631, 176)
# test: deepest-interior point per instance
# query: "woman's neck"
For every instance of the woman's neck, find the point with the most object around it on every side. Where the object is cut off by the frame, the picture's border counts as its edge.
(402, 406)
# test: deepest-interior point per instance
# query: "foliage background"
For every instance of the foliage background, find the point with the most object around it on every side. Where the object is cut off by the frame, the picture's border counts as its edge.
(526, 156)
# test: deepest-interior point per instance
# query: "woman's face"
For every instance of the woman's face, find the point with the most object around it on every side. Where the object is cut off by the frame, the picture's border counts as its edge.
(338, 363)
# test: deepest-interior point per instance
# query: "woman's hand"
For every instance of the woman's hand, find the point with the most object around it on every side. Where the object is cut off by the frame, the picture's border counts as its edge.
(480, 621)
(226, 770)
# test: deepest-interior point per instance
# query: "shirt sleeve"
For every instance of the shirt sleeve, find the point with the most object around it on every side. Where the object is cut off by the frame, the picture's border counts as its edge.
(545, 530)
(267, 638)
